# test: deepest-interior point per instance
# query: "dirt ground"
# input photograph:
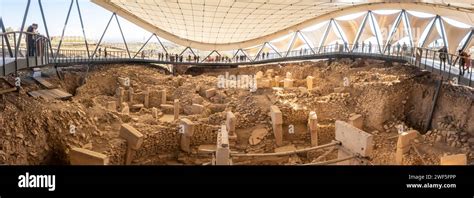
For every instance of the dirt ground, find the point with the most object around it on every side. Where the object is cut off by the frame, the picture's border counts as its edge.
(38, 131)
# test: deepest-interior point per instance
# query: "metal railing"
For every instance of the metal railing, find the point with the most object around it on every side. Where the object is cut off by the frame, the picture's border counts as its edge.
(452, 67)
(35, 52)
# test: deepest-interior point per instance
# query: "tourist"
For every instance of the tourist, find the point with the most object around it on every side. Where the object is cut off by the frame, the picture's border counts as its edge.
(466, 61)
(363, 46)
(31, 39)
(389, 47)
(398, 48)
(370, 47)
(462, 62)
(442, 57)
(105, 52)
(404, 48)
(100, 52)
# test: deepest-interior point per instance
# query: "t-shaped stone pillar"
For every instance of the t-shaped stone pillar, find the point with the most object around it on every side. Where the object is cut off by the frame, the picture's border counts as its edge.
(459, 159)
(80, 156)
(288, 83)
(112, 106)
(187, 131)
(259, 75)
(357, 121)
(353, 141)
(125, 109)
(230, 123)
(134, 141)
(277, 123)
(146, 100)
(403, 144)
(222, 149)
(154, 112)
(176, 109)
(313, 128)
(120, 93)
(309, 83)
(275, 82)
(130, 94)
(163, 96)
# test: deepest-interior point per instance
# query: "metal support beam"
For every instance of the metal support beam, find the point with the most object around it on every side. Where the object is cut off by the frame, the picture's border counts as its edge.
(247, 56)
(259, 51)
(432, 26)
(82, 26)
(291, 44)
(392, 31)
(21, 32)
(46, 27)
(123, 37)
(64, 29)
(273, 48)
(100, 40)
(325, 35)
(361, 29)
(144, 44)
(210, 55)
(408, 28)
(443, 35)
(340, 33)
(307, 43)
(6, 38)
(235, 54)
(159, 41)
(186, 49)
(375, 30)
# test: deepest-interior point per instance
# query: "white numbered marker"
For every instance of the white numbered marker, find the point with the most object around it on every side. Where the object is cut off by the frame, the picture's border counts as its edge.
(345, 82)
(291, 129)
(401, 128)
(455, 80)
(17, 81)
(72, 129)
(127, 82)
(181, 129)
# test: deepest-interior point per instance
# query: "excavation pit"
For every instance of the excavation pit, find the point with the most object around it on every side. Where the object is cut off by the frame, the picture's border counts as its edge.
(385, 99)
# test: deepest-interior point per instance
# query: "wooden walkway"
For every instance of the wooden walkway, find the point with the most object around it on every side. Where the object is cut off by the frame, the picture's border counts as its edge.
(43, 82)
(50, 94)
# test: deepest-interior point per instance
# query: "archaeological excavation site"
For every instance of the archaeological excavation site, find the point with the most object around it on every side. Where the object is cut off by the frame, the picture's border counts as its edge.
(138, 96)
(326, 112)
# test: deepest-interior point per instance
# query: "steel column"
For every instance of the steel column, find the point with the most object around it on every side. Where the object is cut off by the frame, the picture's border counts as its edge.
(64, 29)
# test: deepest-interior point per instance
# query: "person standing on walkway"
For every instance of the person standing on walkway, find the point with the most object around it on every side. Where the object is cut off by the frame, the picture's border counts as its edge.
(398, 48)
(462, 62)
(404, 48)
(370, 47)
(31, 39)
(389, 47)
(105, 52)
(442, 57)
(100, 52)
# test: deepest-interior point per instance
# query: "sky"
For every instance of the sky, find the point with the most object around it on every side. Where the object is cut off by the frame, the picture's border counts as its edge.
(95, 19)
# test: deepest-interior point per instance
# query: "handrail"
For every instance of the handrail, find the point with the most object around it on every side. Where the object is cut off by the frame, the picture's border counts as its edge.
(421, 57)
